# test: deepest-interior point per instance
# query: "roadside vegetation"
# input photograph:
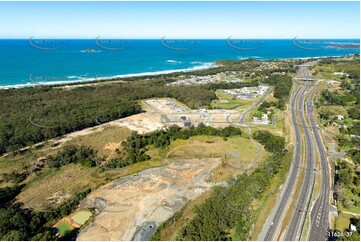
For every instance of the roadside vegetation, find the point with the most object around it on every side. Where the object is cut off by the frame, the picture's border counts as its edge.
(339, 110)
(282, 88)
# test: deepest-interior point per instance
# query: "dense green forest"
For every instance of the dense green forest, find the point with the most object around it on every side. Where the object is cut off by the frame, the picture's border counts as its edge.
(282, 88)
(86, 156)
(272, 143)
(231, 207)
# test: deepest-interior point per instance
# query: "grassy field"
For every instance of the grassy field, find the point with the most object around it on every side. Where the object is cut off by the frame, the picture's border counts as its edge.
(226, 105)
(65, 181)
(333, 110)
(326, 71)
(352, 208)
(227, 102)
(64, 228)
(70, 179)
(81, 217)
(210, 146)
(343, 221)
(105, 141)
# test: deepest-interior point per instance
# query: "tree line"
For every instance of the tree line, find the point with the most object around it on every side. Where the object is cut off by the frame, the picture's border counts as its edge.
(282, 88)
(272, 143)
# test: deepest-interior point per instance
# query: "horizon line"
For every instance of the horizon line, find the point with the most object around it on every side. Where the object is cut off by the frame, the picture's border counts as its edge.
(79, 38)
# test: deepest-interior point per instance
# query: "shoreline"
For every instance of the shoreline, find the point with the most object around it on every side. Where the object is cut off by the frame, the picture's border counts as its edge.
(93, 80)
(90, 80)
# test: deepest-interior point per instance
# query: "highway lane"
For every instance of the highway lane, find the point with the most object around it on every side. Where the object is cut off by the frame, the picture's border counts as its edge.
(272, 224)
(303, 73)
(270, 227)
(320, 210)
(300, 211)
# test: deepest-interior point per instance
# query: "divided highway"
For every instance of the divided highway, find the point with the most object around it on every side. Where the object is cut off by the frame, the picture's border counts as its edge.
(295, 226)
(320, 210)
(307, 138)
(270, 227)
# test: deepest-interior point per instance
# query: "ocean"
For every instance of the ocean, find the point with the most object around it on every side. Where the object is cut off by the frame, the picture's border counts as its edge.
(31, 62)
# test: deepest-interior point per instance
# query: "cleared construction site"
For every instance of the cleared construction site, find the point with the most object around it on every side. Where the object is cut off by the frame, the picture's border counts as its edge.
(164, 112)
(131, 208)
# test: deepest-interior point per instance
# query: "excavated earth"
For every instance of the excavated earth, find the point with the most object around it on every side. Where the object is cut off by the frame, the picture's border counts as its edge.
(131, 208)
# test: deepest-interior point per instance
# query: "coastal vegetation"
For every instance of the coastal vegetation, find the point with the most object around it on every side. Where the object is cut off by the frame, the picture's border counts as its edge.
(36, 114)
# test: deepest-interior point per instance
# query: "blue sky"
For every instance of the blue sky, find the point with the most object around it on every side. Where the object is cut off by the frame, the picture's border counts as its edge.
(180, 19)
